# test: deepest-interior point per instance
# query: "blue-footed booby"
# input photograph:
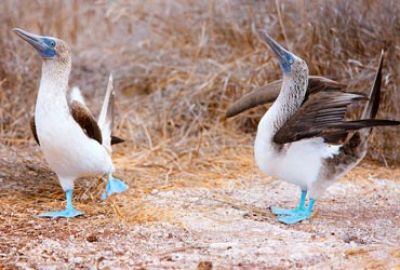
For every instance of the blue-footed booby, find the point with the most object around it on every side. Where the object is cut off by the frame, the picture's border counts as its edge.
(73, 143)
(304, 138)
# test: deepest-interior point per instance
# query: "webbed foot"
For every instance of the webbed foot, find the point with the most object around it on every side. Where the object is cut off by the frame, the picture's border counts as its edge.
(300, 215)
(69, 211)
(295, 218)
(114, 185)
(284, 212)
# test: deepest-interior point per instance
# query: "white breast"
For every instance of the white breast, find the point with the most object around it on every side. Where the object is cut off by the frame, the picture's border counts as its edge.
(67, 149)
(298, 163)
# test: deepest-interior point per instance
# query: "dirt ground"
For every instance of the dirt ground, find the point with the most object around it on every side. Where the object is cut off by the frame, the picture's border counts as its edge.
(223, 223)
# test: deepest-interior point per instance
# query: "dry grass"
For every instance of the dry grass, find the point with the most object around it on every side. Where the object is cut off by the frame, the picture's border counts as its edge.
(178, 64)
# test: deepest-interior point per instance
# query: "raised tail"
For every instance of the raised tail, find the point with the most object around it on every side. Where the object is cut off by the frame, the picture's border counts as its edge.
(106, 116)
(355, 148)
(371, 108)
(368, 121)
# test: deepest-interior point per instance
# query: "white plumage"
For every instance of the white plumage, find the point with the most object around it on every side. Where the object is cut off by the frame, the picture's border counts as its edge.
(72, 142)
(66, 147)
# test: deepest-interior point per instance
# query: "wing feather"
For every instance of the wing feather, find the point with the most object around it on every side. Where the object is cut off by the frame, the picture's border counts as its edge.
(268, 93)
(321, 115)
(86, 121)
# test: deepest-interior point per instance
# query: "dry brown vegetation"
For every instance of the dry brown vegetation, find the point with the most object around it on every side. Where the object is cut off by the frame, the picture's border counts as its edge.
(177, 65)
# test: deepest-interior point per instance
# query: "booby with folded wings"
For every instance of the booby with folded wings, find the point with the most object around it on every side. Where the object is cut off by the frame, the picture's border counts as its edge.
(73, 143)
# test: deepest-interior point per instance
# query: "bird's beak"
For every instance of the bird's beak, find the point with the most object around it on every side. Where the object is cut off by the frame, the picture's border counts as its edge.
(36, 41)
(285, 57)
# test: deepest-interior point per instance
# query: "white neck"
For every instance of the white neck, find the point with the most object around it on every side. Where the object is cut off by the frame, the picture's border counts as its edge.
(53, 84)
(289, 100)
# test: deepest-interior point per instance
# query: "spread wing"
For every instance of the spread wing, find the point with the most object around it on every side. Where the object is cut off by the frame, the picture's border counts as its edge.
(319, 83)
(322, 114)
(268, 93)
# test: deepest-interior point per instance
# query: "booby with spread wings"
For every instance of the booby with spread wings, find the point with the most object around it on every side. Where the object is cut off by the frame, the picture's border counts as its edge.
(73, 143)
(304, 138)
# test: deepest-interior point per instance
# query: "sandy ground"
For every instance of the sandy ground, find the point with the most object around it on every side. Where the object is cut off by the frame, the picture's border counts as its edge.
(222, 226)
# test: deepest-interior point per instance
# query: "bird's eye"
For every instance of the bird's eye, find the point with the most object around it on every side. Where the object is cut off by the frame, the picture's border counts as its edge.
(52, 43)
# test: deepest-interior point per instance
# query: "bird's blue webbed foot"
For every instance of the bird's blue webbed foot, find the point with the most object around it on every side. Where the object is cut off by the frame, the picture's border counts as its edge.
(288, 212)
(114, 185)
(298, 216)
(285, 212)
(68, 212)
(295, 218)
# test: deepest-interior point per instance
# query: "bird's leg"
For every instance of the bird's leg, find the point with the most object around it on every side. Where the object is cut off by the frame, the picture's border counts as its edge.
(69, 211)
(299, 208)
(299, 216)
(114, 185)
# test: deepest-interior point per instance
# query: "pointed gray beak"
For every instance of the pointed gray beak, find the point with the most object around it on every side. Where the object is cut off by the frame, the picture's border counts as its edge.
(40, 43)
(284, 56)
(34, 40)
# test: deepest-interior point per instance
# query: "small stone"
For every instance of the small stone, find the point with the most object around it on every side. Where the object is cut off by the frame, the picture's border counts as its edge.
(77, 260)
(92, 238)
(204, 265)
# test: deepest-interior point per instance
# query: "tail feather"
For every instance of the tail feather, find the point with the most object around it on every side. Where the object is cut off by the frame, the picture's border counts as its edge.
(106, 116)
(116, 140)
(371, 108)
(366, 123)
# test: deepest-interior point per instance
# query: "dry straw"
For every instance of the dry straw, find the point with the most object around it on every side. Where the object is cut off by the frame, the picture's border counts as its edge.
(178, 64)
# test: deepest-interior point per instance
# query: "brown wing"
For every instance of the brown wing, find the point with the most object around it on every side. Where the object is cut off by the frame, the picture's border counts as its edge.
(270, 92)
(33, 129)
(319, 83)
(85, 120)
(321, 115)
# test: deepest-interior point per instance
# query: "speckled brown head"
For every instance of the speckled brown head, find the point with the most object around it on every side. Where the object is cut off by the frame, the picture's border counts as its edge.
(49, 48)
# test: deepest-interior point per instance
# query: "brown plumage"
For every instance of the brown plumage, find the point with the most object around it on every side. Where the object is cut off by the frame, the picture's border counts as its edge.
(270, 92)
(319, 116)
(86, 120)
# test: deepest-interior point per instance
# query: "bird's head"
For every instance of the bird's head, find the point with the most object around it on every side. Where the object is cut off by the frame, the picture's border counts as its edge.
(49, 48)
(289, 62)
